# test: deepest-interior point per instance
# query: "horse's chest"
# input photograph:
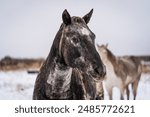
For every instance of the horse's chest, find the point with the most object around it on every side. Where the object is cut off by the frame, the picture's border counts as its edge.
(59, 81)
(111, 78)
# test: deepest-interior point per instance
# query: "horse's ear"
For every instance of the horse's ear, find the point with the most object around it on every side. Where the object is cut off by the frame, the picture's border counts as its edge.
(66, 17)
(87, 17)
(106, 45)
(97, 45)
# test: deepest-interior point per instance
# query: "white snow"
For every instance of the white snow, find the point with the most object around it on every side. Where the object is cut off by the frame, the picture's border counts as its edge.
(16, 85)
(19, 85)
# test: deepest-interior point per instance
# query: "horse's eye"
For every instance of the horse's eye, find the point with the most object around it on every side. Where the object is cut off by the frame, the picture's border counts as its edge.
(75, 40)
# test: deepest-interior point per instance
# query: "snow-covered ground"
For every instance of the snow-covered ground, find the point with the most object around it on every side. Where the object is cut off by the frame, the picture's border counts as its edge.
(16, 85)
(19, 86)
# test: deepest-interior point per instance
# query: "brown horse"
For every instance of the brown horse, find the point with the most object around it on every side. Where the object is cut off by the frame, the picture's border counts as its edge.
(121, 71)
(70, 70)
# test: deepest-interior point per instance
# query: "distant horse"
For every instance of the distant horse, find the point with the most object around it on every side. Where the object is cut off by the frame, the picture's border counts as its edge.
(121, 71)
(73, 68)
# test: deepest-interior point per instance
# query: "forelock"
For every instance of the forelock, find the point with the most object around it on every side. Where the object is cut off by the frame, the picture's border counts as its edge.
(78, 20)
(79, 28)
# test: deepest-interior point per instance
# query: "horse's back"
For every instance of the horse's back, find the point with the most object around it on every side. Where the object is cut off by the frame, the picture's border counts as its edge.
(132, 67)
(132, 64)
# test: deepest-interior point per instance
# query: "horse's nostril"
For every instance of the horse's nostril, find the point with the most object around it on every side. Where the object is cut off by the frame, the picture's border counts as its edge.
(98, 70)
(101, 71)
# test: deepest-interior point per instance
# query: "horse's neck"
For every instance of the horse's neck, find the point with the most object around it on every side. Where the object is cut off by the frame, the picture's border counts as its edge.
(112, 65)
(110, 61)
(112, 58)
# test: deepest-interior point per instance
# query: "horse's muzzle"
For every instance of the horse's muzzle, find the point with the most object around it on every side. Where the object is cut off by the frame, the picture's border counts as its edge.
(99, 73)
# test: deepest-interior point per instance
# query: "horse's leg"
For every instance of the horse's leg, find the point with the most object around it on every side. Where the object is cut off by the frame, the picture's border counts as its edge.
(122, 93)
(134, 87)
(122, 98)
(110, 93)
(100, 96)
(109, 90)
(99, 91)
(128, 93)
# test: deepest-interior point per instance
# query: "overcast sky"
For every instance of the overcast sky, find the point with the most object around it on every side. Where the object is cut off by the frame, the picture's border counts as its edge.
(28, 27)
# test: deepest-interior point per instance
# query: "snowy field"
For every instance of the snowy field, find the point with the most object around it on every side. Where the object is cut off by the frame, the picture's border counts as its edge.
(19, 86)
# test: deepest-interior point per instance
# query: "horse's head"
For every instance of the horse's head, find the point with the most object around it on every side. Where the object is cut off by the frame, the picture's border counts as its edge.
(77, 45)
(104, 52)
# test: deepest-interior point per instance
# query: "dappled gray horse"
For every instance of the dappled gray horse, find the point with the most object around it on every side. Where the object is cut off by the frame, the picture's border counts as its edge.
(73, 68)
(121, 71)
